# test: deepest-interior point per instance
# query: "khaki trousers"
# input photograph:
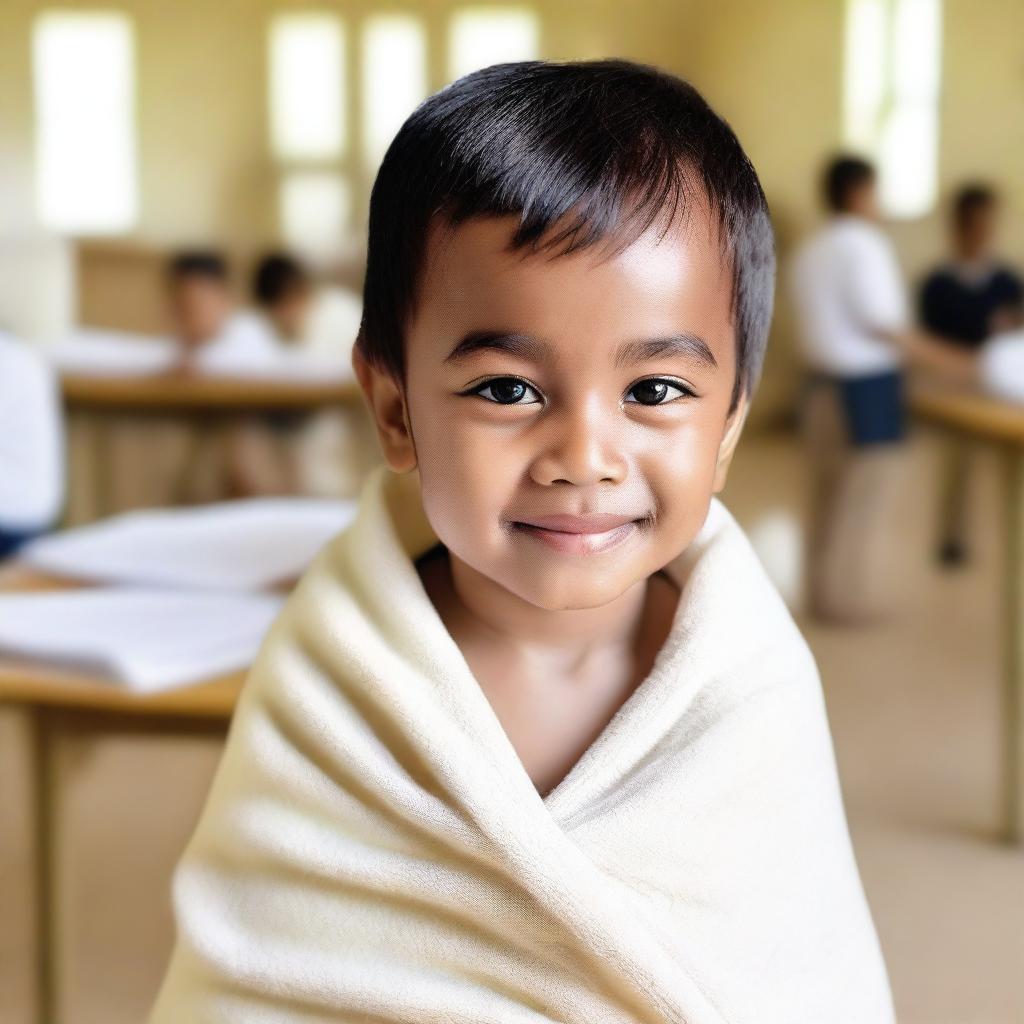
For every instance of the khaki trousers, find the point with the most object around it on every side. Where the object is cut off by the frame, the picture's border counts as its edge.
(848, 564)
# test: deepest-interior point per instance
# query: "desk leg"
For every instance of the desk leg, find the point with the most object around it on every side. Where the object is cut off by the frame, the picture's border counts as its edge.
(43, 775)
(1013, 643)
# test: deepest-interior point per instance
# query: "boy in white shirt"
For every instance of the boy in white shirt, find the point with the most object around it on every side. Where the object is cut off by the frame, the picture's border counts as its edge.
(855, 335)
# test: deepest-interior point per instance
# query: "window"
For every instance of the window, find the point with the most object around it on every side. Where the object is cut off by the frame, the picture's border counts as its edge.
(891, 92)
(480, 36)
(83, 72)
(309, 131)
(394, 79)
(307, 109)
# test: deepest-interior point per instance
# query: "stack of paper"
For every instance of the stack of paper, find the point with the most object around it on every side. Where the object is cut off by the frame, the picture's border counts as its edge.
(186, 604)
(145, 639)
(250, 544)
(107, 353)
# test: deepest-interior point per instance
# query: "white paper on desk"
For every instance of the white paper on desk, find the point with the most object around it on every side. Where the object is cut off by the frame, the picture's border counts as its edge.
(1002, 366)
(108, 353)
(145, 639)
(284, 366)
(249, 544)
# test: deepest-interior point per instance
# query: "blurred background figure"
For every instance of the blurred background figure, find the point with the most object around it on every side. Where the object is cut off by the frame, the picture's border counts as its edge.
(31, 445)
(970, 296)
(327, 454)
(850, 304)
(855, 335)
(204, 318)
(318, 319)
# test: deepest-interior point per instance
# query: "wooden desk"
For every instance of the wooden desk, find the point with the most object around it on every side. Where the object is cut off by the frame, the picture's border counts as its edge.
(96, 404)
(60, 703)
(1001, 425)
(176, 392)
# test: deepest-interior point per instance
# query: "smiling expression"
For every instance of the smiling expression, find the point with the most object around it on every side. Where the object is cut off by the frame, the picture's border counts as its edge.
(569, 416)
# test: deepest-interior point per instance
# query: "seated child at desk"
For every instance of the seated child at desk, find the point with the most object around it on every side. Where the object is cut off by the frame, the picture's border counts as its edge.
(329, 453)
(31, 445)
(218, 339)
(535, 738)
(213, 334)
(315, 318)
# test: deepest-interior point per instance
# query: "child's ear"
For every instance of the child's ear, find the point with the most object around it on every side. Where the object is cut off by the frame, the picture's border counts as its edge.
(733, 429)
(387, 406)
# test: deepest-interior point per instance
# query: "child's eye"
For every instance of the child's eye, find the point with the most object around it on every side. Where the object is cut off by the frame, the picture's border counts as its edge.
(655, 388)
(507, 390)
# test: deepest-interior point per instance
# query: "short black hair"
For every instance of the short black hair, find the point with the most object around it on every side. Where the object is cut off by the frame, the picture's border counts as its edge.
(973, 196)
(277, 275)
(197, 263)
(611, 141)
(843, 175)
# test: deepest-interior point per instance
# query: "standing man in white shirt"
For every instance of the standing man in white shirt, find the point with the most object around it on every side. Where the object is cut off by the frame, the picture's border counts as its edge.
(856, 337)
(31, 445)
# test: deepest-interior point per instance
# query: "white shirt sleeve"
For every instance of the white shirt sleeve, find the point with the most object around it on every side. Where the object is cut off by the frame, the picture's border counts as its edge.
(874, 283)
(31, 439)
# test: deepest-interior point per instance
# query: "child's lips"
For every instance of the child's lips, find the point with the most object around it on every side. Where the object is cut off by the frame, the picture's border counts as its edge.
(579, 543)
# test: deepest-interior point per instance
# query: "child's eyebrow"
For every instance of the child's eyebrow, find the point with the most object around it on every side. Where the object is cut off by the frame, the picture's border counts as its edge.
(528, 347)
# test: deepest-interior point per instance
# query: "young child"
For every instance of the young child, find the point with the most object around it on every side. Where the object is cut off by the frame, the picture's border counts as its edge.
(968, 299)
(535, 738)
(205, 322)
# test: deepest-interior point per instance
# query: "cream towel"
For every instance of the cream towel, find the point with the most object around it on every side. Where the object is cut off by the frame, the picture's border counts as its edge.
(372, 848)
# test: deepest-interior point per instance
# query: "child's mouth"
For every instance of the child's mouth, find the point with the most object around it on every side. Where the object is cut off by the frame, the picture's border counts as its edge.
(579, 543)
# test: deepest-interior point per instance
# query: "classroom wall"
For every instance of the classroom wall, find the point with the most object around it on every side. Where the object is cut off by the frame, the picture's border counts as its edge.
(772, 69)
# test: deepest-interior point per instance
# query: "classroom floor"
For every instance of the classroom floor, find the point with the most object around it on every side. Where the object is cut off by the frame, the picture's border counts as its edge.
(914, 709)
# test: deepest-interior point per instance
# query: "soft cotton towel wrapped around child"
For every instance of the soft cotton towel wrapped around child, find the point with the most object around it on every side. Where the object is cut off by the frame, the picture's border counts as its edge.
(372, 848)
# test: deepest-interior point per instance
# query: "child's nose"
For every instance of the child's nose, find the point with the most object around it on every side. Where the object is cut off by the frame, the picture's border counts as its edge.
(584, 444)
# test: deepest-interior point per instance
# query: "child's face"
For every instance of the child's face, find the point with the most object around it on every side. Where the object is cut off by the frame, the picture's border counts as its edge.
(199, 307)
(572, 432)
(290, 313)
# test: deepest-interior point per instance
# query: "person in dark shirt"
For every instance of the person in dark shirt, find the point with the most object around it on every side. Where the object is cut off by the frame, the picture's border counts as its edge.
(966, 299)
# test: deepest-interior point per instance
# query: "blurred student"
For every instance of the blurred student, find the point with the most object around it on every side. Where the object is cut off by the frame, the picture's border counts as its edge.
(213, 335)
(855, 334)
(31, 445)
(217, 338)
(316, 319)
(327, 454)
(968, 298)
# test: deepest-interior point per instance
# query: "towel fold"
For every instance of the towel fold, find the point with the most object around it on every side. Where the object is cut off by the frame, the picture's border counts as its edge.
(372, 848)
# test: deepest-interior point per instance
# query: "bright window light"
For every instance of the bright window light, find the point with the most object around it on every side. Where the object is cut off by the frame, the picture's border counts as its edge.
(83, 71)
(307, 108)
(394, 79)
(891, 85)
(481, 36)
(315, 211)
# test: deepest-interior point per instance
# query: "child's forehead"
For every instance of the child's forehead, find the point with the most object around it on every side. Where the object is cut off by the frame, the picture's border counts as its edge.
(676, 270)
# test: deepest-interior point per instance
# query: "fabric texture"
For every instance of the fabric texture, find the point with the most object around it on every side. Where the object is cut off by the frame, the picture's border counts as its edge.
(373, 849)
